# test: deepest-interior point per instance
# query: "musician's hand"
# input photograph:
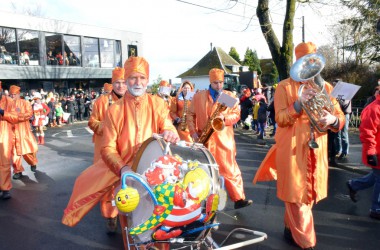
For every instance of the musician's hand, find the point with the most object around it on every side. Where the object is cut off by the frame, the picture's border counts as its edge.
(327, 118)
(195, 137)
(170, 136)
(307, 94)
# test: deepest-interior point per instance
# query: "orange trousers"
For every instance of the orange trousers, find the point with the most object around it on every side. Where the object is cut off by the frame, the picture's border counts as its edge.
(106, 208)
(299, 219)
(30, 158)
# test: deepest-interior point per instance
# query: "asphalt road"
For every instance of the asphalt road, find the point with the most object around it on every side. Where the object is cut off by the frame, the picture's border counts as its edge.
(32, 218)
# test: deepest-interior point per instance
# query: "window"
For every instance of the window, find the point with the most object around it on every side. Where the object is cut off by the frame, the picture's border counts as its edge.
(29, 47)
(107, 53)
(8, 46)
(54, 49)
(91, 52)
(72, 54)
(118, 53)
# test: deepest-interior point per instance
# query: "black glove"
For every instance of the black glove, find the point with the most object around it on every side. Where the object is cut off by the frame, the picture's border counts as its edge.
(1, 111)
(372, 160)
(177, 121)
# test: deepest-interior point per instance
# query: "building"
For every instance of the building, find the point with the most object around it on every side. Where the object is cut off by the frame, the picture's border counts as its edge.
(215, 58)
(58, 56)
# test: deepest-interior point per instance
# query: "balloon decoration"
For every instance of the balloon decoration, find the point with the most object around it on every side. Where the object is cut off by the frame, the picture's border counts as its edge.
(182, 193)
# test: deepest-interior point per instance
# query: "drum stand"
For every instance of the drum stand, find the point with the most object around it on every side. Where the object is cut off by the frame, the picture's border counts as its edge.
(208, 241)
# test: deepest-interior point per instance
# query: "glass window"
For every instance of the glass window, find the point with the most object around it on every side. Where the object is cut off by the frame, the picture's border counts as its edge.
(29, 47)
(54, 49)
(8, 46)
(72, 54)
(91, 52)
(118, 53)
(107, 53)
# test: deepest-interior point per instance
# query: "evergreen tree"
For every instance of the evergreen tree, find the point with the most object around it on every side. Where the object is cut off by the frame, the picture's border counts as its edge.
(234, 54)
(364, 42)
(251, 60)
(273, 75)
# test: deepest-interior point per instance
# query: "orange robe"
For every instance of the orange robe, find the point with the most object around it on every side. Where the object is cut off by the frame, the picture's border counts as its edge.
(96, 120)
(177, 111)
(221, 144)
(24, 140)
(6, 143)
(128, 123)
(301, 173)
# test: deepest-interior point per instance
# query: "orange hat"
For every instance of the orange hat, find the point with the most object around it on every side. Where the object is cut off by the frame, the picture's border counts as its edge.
(216, 75)
(117, 74)
(107, 87)
(136, 64)
(164, 83)
(13, 89)
(303, 49)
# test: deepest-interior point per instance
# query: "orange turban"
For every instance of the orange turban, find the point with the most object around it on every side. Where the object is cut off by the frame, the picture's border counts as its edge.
(164, 83)
(117, 74)
(136, 64)
(107, 87)
(216, 75)
(303, 49)
(13, 90)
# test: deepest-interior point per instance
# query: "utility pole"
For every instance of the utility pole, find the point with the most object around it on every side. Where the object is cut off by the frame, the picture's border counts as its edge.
(303, 29)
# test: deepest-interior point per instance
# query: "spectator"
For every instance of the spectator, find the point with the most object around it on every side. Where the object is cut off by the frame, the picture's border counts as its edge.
(262, 118)
(245, 106)
(370, 138)
(58, 113)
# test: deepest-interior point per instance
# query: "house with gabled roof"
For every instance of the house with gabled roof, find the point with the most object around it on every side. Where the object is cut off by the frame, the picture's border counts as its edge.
(215, 58)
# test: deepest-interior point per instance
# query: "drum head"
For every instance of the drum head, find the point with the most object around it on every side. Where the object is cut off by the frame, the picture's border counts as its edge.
(200, 165)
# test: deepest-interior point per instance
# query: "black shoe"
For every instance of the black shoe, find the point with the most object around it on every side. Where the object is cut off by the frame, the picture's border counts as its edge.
(17, 176)
(111, 224)
(288, 235)
(333, 164)
(352, 192)
(374, 215)
(342, 156)
(242, 203)
(33, 168)
(6, 195)
(309, 248)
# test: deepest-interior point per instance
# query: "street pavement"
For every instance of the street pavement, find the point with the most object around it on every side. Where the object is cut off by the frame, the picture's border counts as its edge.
(32, 218)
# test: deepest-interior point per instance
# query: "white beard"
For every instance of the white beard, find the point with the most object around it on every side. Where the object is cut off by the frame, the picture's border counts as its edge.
(137, 91)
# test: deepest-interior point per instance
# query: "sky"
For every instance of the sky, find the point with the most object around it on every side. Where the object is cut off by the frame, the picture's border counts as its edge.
(177, 34)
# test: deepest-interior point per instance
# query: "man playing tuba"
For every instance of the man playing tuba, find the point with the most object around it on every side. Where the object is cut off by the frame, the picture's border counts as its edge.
(221, 143)
(298, 160)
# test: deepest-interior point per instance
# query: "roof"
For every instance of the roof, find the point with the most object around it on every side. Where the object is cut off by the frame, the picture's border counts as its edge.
(215, 58)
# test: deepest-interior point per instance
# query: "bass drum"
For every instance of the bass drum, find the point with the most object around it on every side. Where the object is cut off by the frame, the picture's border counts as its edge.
(152, 149)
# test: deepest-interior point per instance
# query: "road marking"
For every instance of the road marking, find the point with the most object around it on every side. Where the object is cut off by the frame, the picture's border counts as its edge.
(69, 133)
(89, 130)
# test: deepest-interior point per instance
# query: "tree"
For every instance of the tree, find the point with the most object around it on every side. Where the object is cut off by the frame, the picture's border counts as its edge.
(273, 76)
(282, 55)
(251, 60)
(234, 54)
(364, 42)
(156, 84)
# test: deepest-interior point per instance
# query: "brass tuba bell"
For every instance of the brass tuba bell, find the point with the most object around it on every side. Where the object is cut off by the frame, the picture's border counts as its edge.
(307, 69)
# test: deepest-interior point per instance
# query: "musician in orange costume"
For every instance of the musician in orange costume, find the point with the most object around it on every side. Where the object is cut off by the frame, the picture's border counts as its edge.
(6, 144)
(164, 93)
(107, 88)
(25, 144)
(177, 107)
(221, 143)
(301, 171)
(127, 124)
(113, 92)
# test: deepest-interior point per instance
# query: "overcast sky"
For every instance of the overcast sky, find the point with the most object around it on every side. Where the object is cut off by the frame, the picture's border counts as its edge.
(177, 34)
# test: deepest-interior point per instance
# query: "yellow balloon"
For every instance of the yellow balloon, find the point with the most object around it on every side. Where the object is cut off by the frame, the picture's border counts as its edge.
(127, 199)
